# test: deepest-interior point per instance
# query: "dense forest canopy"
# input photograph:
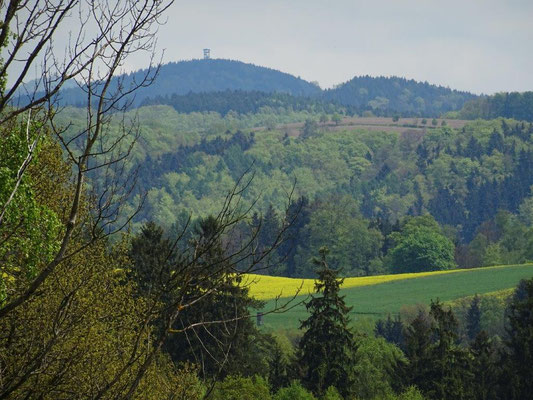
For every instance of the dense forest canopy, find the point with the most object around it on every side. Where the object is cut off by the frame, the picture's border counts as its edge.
(130, 239)
(227, 85)
(507, 105)
(223, 85)
(361, 184)
(208, 75)
(400, 95)
(245, 102)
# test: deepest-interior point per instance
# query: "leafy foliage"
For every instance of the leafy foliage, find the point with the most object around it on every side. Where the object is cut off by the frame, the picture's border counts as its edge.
(514, 105)
(295, 391)
(422, 247)
(239, 388)
(394, 94)
(245, 102)
(200, 76)
(30, 227)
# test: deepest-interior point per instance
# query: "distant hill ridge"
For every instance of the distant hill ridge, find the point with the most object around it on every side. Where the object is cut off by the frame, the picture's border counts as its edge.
(405, 96)
(381, 95)
(208, 75)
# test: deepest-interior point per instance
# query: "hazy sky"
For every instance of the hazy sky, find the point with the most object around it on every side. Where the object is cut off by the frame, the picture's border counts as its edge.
(476, 45)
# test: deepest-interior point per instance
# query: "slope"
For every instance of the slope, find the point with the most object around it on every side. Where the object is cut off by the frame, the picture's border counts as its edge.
(394, 94)
(377, 296)
(209, 75)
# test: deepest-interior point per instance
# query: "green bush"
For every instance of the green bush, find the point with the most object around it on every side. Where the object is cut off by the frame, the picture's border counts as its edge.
(331, 394)
(239, 388)
(294, 392)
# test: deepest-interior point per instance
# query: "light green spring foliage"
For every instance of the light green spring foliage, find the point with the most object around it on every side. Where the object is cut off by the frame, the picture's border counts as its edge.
(327, 162)
(339, 225)
(378, 363)
(411, 393)
(163, 129)
(294, 391)
(331, 394)
(30, 230)
(239, 388)
(89, 319)
(83, 328)
(493, 305)
(512, 244)
(337, 162)
(421, 246)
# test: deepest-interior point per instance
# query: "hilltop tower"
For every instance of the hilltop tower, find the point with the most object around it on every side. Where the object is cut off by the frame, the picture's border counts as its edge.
(207, 54)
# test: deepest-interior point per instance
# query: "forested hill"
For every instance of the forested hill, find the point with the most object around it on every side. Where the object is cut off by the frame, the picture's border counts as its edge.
(245, 102)
(507, 105)
(210, 75)
(228, 85)
(407, 97)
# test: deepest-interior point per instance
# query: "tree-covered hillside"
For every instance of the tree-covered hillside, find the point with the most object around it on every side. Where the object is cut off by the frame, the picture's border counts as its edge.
(211, 75)
(507, 105)
(245, 102)
(384, 95)
(356, 189)
(227, 85)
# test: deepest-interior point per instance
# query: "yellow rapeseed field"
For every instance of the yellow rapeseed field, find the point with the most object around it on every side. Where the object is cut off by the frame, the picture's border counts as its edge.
(265, 287)
(501, 295)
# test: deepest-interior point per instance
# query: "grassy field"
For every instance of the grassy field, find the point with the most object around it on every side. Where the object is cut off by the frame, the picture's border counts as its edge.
(377, 296)
(373, 124)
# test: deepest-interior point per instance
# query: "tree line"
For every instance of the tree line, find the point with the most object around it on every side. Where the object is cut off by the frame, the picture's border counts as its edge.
(514, 105)
(246, 102)
(360, 184)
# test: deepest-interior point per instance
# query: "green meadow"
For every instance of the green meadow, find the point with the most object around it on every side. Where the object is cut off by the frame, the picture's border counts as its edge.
(378, 300)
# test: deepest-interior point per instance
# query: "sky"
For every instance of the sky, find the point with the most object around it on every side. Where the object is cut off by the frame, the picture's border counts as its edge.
(482, 46)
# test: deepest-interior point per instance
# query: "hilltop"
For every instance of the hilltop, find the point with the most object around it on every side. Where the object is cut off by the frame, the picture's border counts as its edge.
(224, 85)
(208, 75)
(407, 97)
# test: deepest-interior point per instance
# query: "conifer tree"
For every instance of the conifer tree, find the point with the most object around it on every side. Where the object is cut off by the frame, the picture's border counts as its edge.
(473, 318)
(485, 370)
(437, 365)
(327, 349)
(417, 347)
(278, 377)
(451, 375)
(520, 342)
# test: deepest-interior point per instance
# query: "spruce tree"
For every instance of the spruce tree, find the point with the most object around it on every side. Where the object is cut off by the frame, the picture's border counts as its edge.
(451, 374)
(437, 364)
(417, 347)
(473, 318)
(327, 349)
(484, 367)
(520, 342)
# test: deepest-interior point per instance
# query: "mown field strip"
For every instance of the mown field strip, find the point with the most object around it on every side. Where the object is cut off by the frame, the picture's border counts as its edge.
(377, 296)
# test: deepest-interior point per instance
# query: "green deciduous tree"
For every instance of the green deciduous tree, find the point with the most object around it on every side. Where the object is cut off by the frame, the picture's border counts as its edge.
(239, 388)
(421, 246)
(378, 368)
(294, 391)
(338, 225)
